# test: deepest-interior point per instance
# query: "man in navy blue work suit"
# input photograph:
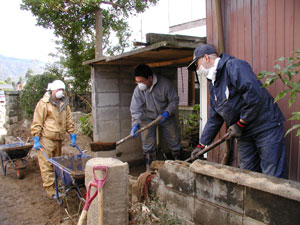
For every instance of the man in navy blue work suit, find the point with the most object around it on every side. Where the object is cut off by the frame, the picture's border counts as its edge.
(237, 97)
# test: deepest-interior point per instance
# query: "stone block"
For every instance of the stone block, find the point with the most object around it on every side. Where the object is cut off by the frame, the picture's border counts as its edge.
(125, 99)
(107, 99)
(108, 113)
(250, 221)
(12, 106)
(127, 85)
(125, 125)
(182, 205)
(107, 85)
(270, 208)
(115, 191)
(177, 176)
(107, 137)
(109, 126)
(210, 214)
(11, 120)
(106, 72)
(219, 192)
(125, 112)
(12, 113)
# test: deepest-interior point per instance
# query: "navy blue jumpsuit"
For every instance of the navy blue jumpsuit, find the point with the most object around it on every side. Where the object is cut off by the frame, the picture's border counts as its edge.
(237, 94)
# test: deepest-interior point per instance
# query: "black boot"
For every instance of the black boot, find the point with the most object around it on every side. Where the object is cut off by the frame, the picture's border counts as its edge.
(176, 155)
(148, 158)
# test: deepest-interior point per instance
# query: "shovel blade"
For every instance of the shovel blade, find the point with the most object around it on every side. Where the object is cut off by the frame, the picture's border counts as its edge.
(102, 146)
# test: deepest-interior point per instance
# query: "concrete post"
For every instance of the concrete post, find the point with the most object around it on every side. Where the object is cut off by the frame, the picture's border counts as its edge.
(115, 191)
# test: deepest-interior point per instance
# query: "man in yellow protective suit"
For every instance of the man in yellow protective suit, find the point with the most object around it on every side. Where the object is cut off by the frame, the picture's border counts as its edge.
(52, 119)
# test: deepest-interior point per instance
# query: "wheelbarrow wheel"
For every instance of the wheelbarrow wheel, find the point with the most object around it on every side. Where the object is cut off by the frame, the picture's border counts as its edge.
(20, 173)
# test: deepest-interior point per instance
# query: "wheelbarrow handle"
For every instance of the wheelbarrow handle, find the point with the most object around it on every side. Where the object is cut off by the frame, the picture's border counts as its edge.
(81, 152)
(100, 183)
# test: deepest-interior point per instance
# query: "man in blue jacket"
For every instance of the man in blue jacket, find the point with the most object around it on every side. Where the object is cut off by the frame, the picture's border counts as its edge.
(154, 96)
(237, 97)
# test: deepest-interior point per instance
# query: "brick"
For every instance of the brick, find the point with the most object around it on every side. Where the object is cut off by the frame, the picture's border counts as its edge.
(108, 113)
(209, 214)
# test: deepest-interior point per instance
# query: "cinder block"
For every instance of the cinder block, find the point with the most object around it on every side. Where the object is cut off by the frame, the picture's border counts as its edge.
(125, 125)
(107, 99)
(177, 176)
(109, 126)
(107, 85)
(125, 99)
(110, 72)
(219, 192)
(115, 191)
(127, 85)
(209, 214)
(108, 113)
(108, 137)
(271, 209)
(182, 205)
(125, 112)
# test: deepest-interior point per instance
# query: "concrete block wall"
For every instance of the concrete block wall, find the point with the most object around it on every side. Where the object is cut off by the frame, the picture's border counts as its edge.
(112, 89)
(115, 191)
(13, 112)
(208, 193)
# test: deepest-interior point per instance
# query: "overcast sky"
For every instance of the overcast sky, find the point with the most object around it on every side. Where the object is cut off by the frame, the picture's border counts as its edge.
(21, 38)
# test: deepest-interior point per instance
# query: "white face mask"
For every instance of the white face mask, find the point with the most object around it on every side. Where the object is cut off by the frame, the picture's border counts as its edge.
(59, 94)
(202, 71)
(142, 86)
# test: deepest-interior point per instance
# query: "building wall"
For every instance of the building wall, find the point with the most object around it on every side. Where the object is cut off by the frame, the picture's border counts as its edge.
(112, 88)
(261, 31)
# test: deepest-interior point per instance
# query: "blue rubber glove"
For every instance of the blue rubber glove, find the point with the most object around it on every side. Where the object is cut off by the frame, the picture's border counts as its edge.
(134, 129)
(37, 145)
(73, 139)
(165, 116)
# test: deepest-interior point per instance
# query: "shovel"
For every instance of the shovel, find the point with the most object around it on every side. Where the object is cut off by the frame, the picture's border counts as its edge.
(208, 148)
(108, 146)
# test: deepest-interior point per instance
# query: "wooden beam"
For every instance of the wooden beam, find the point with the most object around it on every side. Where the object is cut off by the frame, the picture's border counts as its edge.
(171, 62)
(188, 25)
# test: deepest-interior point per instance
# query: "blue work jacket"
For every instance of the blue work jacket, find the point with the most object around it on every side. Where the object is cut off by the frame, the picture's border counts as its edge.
(237, 94)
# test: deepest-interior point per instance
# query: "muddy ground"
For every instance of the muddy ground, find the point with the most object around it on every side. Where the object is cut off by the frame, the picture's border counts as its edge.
(24, 202)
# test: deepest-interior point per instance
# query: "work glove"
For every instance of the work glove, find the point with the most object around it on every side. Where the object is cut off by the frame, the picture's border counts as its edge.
(73, 139)
(134, 129)
(37, 145)
(165, 116)
(236, 130)
(198, 148)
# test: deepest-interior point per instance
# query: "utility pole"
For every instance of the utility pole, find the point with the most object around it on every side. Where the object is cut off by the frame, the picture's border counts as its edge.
(99, 34)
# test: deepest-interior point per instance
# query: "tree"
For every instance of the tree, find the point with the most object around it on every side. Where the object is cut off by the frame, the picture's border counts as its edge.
(29, 73)
(74, 23)
(289, 76)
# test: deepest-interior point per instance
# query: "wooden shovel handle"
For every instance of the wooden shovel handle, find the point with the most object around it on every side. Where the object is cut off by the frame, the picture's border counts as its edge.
(140, 130)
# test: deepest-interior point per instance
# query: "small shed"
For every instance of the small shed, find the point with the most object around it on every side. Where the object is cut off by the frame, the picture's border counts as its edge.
(113, 85)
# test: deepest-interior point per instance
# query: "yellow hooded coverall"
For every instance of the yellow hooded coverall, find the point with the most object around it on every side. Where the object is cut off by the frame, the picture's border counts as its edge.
(51, 122)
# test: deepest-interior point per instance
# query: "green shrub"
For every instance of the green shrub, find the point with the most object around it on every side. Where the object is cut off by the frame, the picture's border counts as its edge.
(86, 125)
(33, 91)
(289, 76)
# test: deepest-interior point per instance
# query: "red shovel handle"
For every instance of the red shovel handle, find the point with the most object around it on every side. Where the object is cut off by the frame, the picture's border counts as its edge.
(100, 183)
(88, 198)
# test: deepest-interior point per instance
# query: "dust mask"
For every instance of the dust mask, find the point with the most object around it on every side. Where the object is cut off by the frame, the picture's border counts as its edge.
(142, 86)
(59, 94)
(202, 71)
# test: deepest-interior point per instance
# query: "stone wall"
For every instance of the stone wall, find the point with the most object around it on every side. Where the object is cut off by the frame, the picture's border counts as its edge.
(208, 193)
(11, 112)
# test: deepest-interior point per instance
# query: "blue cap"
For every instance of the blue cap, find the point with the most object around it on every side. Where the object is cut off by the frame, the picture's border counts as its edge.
(199, 52)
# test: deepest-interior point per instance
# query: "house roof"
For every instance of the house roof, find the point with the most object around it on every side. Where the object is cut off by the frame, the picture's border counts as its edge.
(171, 53)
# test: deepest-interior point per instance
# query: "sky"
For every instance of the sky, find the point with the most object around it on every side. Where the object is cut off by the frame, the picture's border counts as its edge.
(21, 38)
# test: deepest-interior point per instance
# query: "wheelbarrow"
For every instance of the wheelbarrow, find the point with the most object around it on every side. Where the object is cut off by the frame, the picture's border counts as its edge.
(15, 154)
(68, 173)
